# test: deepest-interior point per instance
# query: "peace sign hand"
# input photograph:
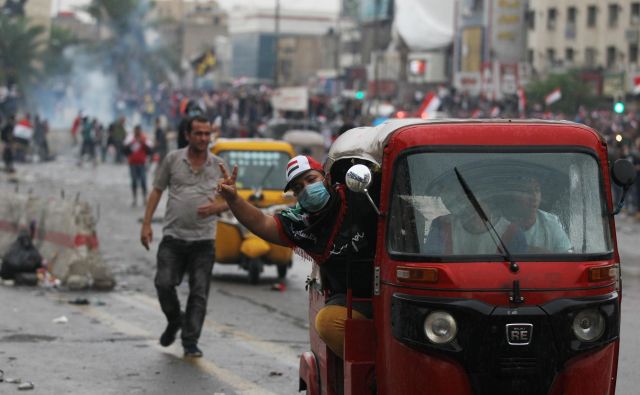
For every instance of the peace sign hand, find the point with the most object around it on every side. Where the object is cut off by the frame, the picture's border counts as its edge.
(227, 185)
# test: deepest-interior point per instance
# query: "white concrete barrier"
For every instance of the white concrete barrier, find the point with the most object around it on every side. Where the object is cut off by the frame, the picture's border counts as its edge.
(65, 235)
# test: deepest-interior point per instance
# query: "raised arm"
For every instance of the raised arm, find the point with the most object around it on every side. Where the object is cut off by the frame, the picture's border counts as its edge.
(262, 225)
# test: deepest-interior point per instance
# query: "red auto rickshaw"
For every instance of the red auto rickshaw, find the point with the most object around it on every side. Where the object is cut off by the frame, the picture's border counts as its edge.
(496, 268)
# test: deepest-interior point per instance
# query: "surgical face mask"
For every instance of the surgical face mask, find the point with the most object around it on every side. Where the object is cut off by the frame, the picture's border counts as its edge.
(314, 197)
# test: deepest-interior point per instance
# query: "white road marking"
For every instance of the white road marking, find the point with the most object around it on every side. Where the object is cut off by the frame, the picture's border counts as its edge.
(239, 384)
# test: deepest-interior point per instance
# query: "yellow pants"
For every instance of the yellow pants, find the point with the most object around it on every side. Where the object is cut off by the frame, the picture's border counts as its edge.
(330, 326)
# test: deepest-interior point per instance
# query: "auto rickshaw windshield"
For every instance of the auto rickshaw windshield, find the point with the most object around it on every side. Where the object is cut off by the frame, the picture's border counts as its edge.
(258, 169)
(539, 204)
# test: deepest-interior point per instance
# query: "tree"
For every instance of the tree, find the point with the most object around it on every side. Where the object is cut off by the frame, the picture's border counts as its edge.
(19, 50)
(127, 51)
(575, 92)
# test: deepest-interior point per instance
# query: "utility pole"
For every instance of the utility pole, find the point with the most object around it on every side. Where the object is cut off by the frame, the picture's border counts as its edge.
(276, 68)
(376, 76)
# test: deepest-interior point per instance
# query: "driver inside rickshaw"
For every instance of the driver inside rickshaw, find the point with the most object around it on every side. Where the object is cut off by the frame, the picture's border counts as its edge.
(330, 224)
(464, 232)
(543, 231)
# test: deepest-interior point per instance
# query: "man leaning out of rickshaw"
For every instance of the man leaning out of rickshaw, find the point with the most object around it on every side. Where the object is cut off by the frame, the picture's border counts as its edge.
(340, 237)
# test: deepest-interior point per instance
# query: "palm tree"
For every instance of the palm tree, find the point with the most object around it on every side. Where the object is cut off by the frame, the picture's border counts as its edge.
(19, 50)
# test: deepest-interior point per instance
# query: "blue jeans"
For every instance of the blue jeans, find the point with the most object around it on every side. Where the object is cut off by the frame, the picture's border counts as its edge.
(138, 178)
(175, 258)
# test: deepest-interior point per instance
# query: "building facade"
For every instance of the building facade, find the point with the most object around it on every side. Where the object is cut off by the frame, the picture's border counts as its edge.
(280, 45)
(489, 47)
(600, 37)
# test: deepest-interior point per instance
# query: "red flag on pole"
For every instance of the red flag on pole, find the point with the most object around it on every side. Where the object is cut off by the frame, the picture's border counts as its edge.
(429, 105)
(553, 97)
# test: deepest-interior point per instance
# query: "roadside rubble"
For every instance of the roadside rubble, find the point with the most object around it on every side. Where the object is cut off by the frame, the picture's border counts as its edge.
(64, 233)
(21, 385)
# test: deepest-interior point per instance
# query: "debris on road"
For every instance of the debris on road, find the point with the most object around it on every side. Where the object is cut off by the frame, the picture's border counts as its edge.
(60, 320)
(27, 385)
(79, 301)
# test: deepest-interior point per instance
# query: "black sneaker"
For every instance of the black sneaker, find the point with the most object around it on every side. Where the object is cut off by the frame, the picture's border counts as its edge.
(169, 335)
(192, 351)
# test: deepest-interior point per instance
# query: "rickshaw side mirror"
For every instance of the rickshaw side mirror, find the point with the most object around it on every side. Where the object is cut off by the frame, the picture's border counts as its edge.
(358, 179)
(624, 175)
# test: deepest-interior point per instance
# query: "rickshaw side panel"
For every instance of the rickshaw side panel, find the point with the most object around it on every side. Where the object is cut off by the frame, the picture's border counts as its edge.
(328, 364)
(228, 241)
(279, 254)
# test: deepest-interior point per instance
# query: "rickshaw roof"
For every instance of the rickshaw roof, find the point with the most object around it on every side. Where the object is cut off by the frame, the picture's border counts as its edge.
(252, 144)
(368, 142)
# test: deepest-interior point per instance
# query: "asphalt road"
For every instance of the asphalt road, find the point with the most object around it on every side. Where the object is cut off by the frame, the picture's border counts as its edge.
(252, 337)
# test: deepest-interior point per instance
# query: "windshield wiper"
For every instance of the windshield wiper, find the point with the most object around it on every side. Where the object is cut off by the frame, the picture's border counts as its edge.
(485, 220)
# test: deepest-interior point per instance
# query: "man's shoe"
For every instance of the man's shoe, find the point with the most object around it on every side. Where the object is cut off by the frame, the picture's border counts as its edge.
(169, 335)
(192, 351)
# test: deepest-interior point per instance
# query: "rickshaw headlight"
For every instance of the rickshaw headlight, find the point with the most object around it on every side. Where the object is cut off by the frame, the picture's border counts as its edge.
(588, 325)
(440, 327)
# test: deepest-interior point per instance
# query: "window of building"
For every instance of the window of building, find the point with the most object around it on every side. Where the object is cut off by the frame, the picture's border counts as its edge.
(611, 56)
(552, 15)
(572, 13)
(530, 56)
(551, 56)
(614, 11)
(592, 14)
(635, 13)
(531, 19)
(569, 53)
(590, 57)
(570, 28)
(633, 53)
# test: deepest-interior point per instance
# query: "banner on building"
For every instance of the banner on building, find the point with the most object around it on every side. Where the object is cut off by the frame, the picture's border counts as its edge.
(290, 99)
(553, 97)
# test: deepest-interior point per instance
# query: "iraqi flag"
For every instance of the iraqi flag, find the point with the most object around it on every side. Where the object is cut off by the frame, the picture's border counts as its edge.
(429, 105)
(23, 130)
(553, 97)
